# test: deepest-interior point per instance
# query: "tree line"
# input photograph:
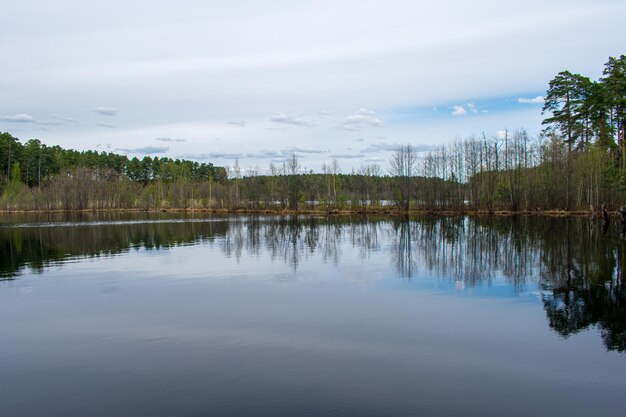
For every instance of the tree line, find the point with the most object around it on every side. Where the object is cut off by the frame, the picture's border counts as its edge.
(36, 176)
(578, 162)
(38, 162)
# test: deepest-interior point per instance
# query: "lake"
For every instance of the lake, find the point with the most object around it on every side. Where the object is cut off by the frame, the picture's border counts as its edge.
(197, 315)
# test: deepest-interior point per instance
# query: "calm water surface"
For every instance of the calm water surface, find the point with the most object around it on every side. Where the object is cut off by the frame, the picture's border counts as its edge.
(167, 315)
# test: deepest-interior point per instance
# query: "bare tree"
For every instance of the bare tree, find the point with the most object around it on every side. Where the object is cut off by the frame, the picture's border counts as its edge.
(293, 165)
(293, 171)
(403, 163)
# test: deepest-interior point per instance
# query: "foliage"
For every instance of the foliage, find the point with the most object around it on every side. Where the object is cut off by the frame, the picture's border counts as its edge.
(40, 162)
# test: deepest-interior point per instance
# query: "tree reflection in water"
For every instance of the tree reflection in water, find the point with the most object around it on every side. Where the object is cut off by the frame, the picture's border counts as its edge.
(584, 285)
(577, 270)
(403, 248)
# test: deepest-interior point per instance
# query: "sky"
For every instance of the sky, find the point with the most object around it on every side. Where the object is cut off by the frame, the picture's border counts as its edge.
(254, 82)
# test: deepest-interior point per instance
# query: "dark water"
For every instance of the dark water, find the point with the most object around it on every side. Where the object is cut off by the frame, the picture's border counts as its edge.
(261, 316)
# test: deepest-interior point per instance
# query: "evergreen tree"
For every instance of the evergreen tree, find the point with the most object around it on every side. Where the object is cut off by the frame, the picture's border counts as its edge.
(614, 82)
(567, 99)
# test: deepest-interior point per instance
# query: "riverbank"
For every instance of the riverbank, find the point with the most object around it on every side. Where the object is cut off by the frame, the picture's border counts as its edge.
(387, 211)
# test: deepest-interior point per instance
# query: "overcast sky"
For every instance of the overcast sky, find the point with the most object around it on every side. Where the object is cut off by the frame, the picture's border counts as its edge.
(257, 80)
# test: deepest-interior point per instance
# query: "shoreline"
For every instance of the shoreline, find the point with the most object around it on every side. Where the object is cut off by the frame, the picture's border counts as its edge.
(330, 212)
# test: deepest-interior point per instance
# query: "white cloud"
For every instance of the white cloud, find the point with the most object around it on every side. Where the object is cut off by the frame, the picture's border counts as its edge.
(283, 153)
(390, 147)
(472, 107)
(239, 123)
(381, 147)
(108, 125)
(459, 111)
(213, 155)
(291, 120)
(266, 154)
(58, 121)
(145, 150)
(63, 119)
(52, 122)
(360, 120)
(18, 118)
(167, 139)
(300, 149)
(105, 111)
(536, 100)
(347, 155)
(375, 159)
(501, 134)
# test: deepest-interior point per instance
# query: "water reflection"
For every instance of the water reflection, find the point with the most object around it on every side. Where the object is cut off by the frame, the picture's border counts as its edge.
(403, 248)
(577, 271)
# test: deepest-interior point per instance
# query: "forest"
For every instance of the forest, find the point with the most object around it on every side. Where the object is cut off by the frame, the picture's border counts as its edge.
(578, 162)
